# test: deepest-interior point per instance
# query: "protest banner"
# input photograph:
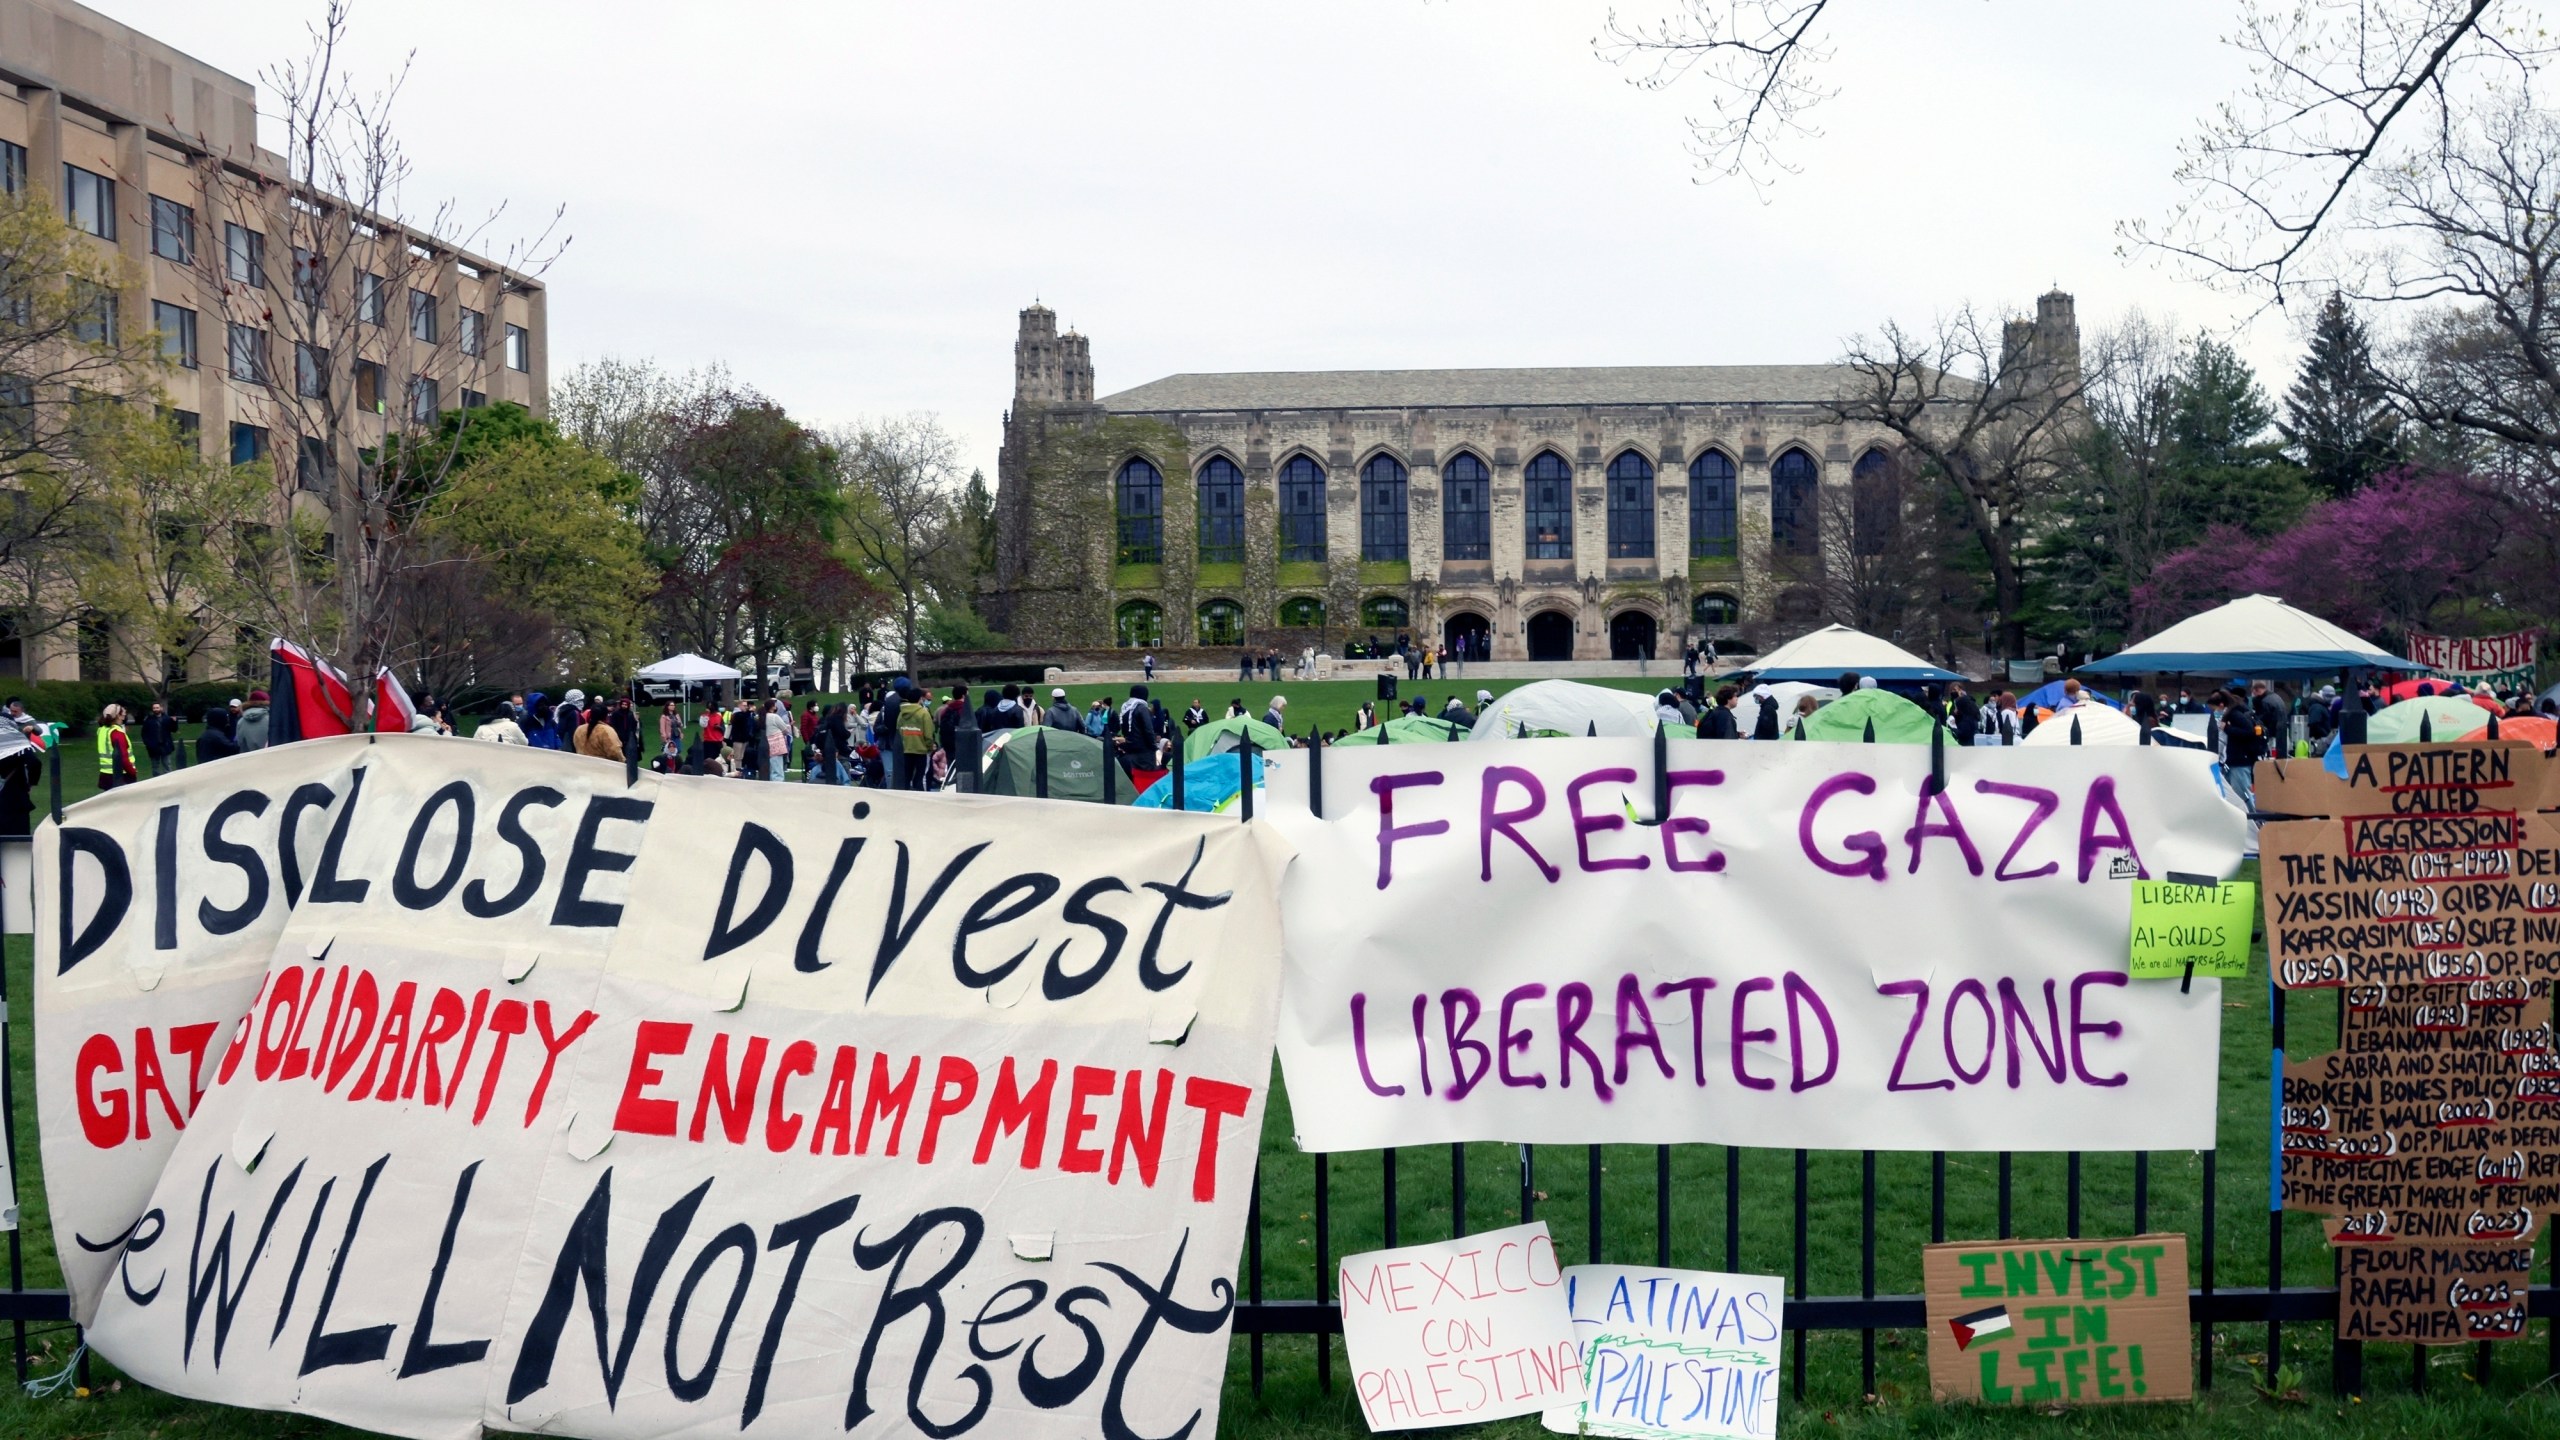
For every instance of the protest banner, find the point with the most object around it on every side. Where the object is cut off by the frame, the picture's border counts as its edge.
(1817, 946)
(2058, 1322)
(1673, 1352)
(1459, 1331)
(2176, 925)
(2504, 662)
(430, 1086)
(2428, 891)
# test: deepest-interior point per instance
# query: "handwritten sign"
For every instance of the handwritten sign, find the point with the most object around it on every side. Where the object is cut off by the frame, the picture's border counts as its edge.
(2058, 1322)
(1481, 945)
(1459, 1331)
(1673, 1352)
(2176, 925)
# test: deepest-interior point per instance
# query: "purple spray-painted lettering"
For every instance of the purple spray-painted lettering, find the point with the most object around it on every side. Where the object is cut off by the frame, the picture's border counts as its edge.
(1697, 986)
(2102, 800)
(1573, 1011)
(1586, 825)
(2046, 802)
(1800, 994)
(1675, 826)
(2111, 1029)
(1911, 1032)
(1360, 1046)
(1508, 1040)
(1951, 827)
(1635, 1029)
(1866, 843)
(1493, 819)
(1742, 1035)
(1389, 832)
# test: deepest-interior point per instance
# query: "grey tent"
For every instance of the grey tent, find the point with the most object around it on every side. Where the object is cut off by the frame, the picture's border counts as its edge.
(1075, 762)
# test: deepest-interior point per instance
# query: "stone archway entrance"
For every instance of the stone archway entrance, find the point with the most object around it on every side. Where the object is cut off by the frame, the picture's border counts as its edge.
(1469, 636)
(1551, 635)
(1631, 634)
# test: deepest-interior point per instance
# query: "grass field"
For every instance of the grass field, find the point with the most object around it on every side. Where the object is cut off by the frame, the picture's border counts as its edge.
(2252, 1393)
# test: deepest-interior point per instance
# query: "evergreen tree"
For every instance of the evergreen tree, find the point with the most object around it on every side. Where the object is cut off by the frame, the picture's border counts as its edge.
(978, 519)
(2225, 466)
(2337, 419)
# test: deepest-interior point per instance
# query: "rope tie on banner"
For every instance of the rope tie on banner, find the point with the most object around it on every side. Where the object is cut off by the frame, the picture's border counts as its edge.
(61, 1382)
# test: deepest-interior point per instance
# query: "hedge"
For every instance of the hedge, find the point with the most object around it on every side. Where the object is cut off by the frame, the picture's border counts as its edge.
(76, 703)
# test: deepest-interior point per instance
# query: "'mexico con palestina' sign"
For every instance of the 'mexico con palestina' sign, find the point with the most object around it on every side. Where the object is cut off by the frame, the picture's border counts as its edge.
(429, 1086)
(1814, 945)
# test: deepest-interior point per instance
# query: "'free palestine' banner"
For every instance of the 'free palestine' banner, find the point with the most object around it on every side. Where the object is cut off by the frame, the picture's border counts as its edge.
(1814, 946)
(428, 1086)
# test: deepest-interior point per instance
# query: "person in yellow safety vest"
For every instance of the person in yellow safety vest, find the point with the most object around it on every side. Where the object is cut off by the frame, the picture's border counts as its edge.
(115, 750)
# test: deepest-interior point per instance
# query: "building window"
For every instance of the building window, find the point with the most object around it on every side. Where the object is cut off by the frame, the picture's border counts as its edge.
(89, 201)
(424, 405)
(173, 231)
(422, 316)
(1301, 510)
(1222, 623)
(1875, 504)
(1466, 509)
(1137, 499)
(306, 276)
(1547, 496)
(370, 387)
(1630, 507)
(311, 467)
(1384, 612)
(474, 399)
(373, 297)
(1306, 612)
(248, 353)
(17, 410)
(1716, 608)
(1382, 509)
(177, 327)
(248, 443)
(1711, 499)
(1221, 513)
(475, 332)
(186, 422)
(1795, 524)
(1141, 623)
(519, 348)
(13, 169)
(310, 371)
(95, 323)
(244, 255)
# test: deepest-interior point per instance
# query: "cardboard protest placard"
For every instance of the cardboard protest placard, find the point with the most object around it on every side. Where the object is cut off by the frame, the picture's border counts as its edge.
(1673, 1352)
(372, 1071)
(2176, 925)
(1459, 1331)
(2058, 1322)
(2427, 891)
(1482, 945)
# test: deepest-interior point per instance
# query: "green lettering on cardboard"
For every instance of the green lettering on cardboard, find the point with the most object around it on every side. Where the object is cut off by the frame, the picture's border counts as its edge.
(2018, 1271)
(2050, 1317)
(1978, 1288)
(2088, 1324)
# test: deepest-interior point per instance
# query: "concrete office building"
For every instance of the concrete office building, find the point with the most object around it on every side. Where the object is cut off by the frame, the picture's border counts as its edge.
(155, 155)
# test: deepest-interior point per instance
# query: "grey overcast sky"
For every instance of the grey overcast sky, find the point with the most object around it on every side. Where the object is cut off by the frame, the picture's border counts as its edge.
(847, 202)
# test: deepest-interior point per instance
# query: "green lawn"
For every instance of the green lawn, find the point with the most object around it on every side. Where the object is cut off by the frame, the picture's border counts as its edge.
(2249, 1397)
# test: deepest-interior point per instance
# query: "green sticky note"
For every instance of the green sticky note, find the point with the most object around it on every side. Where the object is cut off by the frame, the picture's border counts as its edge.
(2206, 926)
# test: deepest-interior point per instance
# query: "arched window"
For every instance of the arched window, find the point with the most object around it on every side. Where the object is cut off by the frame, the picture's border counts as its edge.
(1306, 612)
(1382, 511)
(1221, 623)
(1466, 509)
(1711, 491)
(1301, 510)
(1138, 498)
(1221, 513)
(1795, 521)
(1630, 507)
(1547, 495)
(1716, 608)
(1875, 503)
(1141, 623)
(1384, 612)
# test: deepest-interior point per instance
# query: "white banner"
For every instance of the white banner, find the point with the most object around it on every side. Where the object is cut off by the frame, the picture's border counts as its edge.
(427, 1086)
(2504, 661)
(1815, 947)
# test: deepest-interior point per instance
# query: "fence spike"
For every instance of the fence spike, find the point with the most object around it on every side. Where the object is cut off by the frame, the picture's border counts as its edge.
(1110, 776)
(1315, 769)
(1595, 730)
(1869, 738)
(1040, 764)
(2426, 731)
(1799, 727)
(2075, 729)
(1661, 774)
(1938, 756)
(1244, 775)
(2493, 727)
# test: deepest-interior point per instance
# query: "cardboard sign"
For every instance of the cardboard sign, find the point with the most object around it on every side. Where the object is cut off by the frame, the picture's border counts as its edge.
(1673, 1352)
(1460, 1331)
(2177, 925)
(2059, 1322)
(432, 1086)
(2429, 893)
(1483, 946)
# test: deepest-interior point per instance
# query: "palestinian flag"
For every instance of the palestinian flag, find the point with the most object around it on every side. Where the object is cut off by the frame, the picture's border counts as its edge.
(1979, 1325)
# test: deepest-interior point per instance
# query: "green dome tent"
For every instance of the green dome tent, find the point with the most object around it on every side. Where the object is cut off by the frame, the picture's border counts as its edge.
(1076, 763)
(1221, 736)
(2448, 717)
(1897, 721)
(1408, 730)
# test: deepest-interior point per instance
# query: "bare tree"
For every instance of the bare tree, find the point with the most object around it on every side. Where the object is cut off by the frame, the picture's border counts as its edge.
(1882, 552)
(902, 482)
(1997, 416)
(1759, 57)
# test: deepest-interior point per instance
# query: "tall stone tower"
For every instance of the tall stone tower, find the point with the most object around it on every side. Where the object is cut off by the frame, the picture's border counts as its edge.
(1041, 571)
(2051, 340)
(1050, 368)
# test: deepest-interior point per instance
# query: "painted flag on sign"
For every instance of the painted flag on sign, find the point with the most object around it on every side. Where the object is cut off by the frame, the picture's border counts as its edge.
(1990, 1320)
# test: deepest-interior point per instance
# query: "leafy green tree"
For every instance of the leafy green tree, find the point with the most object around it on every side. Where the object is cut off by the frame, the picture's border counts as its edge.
(2226, 465)
(188, 542)
(2338, 415)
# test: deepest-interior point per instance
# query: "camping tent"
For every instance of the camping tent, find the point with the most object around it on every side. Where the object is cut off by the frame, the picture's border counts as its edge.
(2049, 697)
(1078, 766)
(1213, 784)
(2400, 690)
(2253, 635)
(1407, 730)
(1897, 721)
(1825, 653)
(2447, 717)
(2098, 726)
(1783, 695)
(1565, 707)
(1220, 736)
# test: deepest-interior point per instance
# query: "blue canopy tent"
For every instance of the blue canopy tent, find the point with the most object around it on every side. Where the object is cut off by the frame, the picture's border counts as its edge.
(2253, 635)
(1827, 652)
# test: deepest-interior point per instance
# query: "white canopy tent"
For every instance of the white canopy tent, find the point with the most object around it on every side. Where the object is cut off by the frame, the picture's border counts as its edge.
(1825, 653)
(2099, 725)
(1565, 707)
(688, 670)
(2253, 635)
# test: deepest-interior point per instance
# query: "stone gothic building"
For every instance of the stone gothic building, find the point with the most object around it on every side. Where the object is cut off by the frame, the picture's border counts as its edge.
(1587, 513)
